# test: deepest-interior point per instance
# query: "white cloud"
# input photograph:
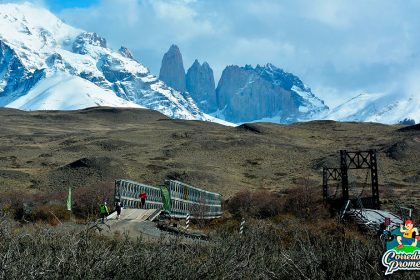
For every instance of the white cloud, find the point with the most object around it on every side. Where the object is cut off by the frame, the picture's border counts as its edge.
(182, 19)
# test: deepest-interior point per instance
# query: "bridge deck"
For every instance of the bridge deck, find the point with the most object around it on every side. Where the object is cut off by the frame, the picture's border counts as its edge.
(131, 215)
(133, 221)
(371, 218)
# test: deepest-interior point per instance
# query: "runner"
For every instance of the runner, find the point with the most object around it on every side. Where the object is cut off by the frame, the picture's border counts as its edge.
(103, 212)
(143, 197)
(118, 209)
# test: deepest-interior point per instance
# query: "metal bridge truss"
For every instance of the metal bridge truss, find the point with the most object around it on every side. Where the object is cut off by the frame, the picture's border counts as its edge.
(127, 192)
(184, 199)
(329, 174)
(198, 202)
(353, 160)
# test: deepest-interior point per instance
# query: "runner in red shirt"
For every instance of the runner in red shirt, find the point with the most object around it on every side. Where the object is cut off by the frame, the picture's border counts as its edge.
(143, 197)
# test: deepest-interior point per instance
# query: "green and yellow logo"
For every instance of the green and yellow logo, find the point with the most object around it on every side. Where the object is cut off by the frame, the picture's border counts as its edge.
(403, 249)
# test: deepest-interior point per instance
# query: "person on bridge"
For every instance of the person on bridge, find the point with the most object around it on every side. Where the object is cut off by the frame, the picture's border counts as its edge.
(118, 209)
(103, 212)
(143, 197)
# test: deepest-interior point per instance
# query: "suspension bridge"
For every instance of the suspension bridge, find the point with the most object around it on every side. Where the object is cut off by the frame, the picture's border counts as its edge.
(361, 208)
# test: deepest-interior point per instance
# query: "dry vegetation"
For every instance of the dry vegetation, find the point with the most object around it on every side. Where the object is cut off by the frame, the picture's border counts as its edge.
(280, 241)
(50, 207)
(55, 150)
(269, 174)
(285, 248)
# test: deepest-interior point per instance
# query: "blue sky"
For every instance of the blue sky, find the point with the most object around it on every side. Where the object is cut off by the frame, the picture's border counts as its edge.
(58, 5)
(337, 47)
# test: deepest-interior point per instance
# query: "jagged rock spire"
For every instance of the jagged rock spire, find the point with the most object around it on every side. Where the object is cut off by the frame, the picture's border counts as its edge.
(200, 84)
(172, 71)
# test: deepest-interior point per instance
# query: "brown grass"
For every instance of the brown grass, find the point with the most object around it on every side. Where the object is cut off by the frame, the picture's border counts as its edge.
(55, 150)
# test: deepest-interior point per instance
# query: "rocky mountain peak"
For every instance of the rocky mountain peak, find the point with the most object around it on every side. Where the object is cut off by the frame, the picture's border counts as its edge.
(37, 72)
(279, 77)
(200, 84)
(85, 39)
(264, 92)
(125, 52)
(195, 64)
(174, 49)
(172, 70)
(205, 65)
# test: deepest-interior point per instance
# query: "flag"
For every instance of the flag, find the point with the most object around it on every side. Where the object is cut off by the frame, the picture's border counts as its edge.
(69, 200)
(166, 198)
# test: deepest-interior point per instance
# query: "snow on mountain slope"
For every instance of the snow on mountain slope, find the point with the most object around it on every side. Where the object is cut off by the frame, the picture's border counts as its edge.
(47, 64)
(210, 118)
(33, 32)
(383, 108)
(36, 46)
(308, 102)
(65, 92)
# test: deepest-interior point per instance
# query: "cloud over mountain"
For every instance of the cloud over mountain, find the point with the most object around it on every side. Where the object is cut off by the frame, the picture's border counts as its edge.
(339, 47)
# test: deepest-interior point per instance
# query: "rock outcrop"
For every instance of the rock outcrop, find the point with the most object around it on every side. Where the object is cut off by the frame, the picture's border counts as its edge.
(266, 92)
(172, 70)
(126, 52)
(200, 84)
(87, 39)
(15, 78)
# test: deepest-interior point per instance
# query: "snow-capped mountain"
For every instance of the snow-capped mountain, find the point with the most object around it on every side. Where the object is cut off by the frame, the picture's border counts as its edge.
(47, 64)
(264, 93)
(58, 92)
(382, 108)
(309, 104)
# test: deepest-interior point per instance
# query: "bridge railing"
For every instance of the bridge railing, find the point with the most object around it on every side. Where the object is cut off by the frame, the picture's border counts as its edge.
(127, 192)
(184, 199)
(199, 203)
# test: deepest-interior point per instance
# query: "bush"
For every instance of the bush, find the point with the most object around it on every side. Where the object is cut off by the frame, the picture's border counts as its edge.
(261, 204)
(53, 214)
(88, 199)
(263, 252)
(51, 206)
(305, 202)
(23, 206)
(302, 201)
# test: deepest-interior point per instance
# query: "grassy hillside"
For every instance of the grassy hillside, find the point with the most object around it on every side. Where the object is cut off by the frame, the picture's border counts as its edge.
(53, 150)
